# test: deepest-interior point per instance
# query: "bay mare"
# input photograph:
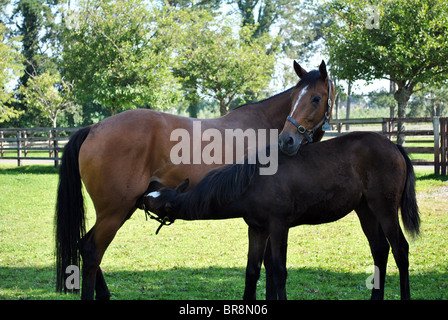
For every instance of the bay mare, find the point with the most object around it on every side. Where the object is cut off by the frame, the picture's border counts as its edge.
(322, 183)
(119, 157)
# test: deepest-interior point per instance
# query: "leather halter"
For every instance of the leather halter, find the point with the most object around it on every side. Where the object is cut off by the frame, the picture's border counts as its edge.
(308, 133)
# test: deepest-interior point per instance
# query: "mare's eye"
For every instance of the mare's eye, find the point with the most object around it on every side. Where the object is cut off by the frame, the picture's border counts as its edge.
(315, 99)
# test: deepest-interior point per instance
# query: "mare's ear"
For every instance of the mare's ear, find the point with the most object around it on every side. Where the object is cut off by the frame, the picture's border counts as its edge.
(299, 70)
(323, 70)
(183, 186)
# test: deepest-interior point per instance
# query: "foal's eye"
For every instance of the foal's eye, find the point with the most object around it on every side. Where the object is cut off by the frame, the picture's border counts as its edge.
(315, 99)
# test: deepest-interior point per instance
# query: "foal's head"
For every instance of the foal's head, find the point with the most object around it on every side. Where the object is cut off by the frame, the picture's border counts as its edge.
(312, 100)
(164, 202)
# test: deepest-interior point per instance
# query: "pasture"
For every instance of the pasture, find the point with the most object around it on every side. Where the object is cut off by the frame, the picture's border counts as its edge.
(207, 259)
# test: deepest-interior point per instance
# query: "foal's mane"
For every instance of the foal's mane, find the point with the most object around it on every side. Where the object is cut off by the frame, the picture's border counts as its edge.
(219, 187)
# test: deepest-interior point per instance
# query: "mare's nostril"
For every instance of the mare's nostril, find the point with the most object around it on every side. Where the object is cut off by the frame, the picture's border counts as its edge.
(290, 141)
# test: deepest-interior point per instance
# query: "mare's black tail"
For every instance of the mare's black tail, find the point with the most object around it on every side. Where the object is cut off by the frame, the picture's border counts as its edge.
(69, 218)
(409, 208)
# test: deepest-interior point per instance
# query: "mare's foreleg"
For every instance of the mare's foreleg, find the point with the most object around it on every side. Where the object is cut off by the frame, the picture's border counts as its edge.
(257, 246)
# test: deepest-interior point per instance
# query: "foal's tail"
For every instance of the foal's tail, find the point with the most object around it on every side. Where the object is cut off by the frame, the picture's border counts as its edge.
(69, 218)
(409, 208)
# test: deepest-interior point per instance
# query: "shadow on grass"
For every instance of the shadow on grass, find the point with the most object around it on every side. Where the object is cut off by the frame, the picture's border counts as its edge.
(218, 284)
(29, 169)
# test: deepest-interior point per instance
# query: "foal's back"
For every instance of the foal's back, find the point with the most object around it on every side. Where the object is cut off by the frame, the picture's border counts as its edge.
(325, 181)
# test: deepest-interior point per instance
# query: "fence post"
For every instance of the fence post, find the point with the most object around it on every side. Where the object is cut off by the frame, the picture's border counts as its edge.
(435, 125)
(1, 144)
(444, 144)
(19, 148)
(25, 143)
(55, 146)
(386, 128)
(50, 152)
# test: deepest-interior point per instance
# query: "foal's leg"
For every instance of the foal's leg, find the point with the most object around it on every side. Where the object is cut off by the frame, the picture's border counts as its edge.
(400, 250)
(387, 215)
(271, 294)
(257, 245)
(279, 244)
(378, 246)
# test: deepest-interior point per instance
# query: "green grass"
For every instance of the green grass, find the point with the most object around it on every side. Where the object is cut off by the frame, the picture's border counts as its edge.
(206, 259)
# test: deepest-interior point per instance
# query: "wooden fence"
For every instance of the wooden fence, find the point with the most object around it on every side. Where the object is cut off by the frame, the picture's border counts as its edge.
(426, 138)
(34, 144)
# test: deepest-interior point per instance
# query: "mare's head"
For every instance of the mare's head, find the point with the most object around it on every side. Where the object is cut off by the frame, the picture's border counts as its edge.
(311, 108)
(164, 202)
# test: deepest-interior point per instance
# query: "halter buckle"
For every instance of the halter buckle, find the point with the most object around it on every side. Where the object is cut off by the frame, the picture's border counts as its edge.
(301, 129)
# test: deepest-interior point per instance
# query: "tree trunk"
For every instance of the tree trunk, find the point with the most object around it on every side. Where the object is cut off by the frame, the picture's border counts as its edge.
(392, 91)
(336, 104)
(402, 96)
(349, 93)
(222, 107)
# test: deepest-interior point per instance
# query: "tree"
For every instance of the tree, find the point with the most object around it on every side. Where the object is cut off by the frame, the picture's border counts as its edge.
(10, 67)
(223, 65)
(406, 43)
(49, 93)
(381, 99)
(431, 101)
(119, 54)
(38, 29)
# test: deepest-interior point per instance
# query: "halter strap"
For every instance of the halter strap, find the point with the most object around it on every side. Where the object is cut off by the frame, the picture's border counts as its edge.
(308, 133)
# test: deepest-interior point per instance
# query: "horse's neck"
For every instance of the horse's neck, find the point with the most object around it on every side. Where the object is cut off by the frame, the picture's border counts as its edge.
(273, 110)
(278, 107)
(191, 210)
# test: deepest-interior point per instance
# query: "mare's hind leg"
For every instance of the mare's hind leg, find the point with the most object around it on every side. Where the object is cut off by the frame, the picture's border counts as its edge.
(93, 281)
(93, 246)
(378, 246)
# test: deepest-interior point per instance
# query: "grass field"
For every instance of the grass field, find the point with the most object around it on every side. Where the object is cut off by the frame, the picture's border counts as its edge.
(206, 259)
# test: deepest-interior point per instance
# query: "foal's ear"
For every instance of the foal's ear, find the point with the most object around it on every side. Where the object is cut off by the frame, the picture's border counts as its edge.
(183, 186)
(154, 186)
(299, 70)
(323, 70)
(168, 207)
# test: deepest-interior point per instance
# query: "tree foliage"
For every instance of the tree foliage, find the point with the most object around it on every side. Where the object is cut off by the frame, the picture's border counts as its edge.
(48, 93)
(118, 53)
(409, 45)
(39, 31)
(223, 65)
(10, 67)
